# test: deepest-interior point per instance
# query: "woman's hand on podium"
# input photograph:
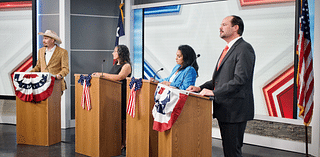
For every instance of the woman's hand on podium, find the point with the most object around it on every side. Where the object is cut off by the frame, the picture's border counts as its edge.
(153, 80)
(166, 83)
(97, 74)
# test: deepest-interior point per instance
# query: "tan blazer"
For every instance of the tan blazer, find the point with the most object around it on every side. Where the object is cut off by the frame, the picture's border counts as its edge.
(58, 64)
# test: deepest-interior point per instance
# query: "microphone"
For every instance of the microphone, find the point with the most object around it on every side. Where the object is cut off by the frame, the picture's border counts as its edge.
(154, 76)
(46, 60)
(198, 55)
(102, 67)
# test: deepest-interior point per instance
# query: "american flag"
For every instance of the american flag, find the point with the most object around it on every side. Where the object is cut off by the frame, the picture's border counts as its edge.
(305, 79)
(135, 85)
(131, 107)
(85, 99)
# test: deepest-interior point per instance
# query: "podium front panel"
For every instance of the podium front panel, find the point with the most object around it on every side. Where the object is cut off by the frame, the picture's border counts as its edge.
(142, 140)
(190, 135)
(87, 122)
(98, 131)
(40, 123)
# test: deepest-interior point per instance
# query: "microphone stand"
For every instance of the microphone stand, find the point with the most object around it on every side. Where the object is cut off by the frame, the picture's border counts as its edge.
(102, 67)
(154, 76)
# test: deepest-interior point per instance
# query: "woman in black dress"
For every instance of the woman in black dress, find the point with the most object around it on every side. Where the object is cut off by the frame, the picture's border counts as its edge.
(120, 70)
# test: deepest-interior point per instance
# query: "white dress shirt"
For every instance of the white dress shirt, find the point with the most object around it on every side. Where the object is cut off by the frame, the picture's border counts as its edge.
(49, 54)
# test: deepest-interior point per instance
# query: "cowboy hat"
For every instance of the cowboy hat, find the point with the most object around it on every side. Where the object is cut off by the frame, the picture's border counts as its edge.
(51, 34)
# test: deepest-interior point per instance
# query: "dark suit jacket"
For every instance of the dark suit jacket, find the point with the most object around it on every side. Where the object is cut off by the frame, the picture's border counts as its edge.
(58, 64)
(232, 84)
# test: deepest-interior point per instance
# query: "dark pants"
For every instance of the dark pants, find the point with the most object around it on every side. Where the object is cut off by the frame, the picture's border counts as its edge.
(232, 138)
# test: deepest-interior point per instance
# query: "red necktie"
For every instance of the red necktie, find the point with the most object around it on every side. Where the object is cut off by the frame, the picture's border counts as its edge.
(225, 50)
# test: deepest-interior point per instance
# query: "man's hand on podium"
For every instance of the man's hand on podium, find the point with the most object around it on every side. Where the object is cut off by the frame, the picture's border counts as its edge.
(193, 89)
(206, 92)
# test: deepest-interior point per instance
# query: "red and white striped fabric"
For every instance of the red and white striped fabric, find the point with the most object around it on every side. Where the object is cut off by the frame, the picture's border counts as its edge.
(305, 78)
(131, 107)
(85, 99)
(135, 85)
(33, 86)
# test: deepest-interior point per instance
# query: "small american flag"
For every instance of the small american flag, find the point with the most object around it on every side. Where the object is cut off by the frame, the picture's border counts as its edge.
(305, 79)
(131, 109)
(134, 85)
(85, 99)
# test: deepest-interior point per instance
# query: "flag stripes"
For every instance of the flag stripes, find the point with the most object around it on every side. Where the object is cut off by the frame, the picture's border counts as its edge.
(305, 78)
(85, 99)
(132, 102)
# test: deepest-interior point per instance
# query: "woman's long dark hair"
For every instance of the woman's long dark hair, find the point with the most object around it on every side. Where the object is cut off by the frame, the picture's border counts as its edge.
(124, 54)
(188, 57)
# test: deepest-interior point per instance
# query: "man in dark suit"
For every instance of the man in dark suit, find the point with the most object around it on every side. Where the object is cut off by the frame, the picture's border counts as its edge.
(231, 86)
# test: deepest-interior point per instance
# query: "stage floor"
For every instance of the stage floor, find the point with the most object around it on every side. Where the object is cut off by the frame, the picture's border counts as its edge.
(9, 147)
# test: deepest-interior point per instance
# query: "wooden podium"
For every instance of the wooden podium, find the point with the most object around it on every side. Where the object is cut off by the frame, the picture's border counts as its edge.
(98, 131)
(190, 135)
(142, 140)
(40, 123)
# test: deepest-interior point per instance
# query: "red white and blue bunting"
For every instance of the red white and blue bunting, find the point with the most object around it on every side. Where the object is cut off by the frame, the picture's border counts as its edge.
(85, 98)
(33, 86)
(169, 103)
(134, 85)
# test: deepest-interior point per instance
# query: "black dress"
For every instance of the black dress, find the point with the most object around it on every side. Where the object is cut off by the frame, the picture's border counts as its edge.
(116, 70)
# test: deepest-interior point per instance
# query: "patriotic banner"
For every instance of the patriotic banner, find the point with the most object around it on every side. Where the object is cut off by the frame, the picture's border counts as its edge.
(134, 85)
(85, 98)
(169, 103)
(305, 78)
(33, 87)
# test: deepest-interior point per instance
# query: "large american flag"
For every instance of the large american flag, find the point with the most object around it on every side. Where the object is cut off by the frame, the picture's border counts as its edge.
(305, 79)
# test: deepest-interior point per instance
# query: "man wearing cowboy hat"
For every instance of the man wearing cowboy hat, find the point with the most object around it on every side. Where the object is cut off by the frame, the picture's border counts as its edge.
(52, 58)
